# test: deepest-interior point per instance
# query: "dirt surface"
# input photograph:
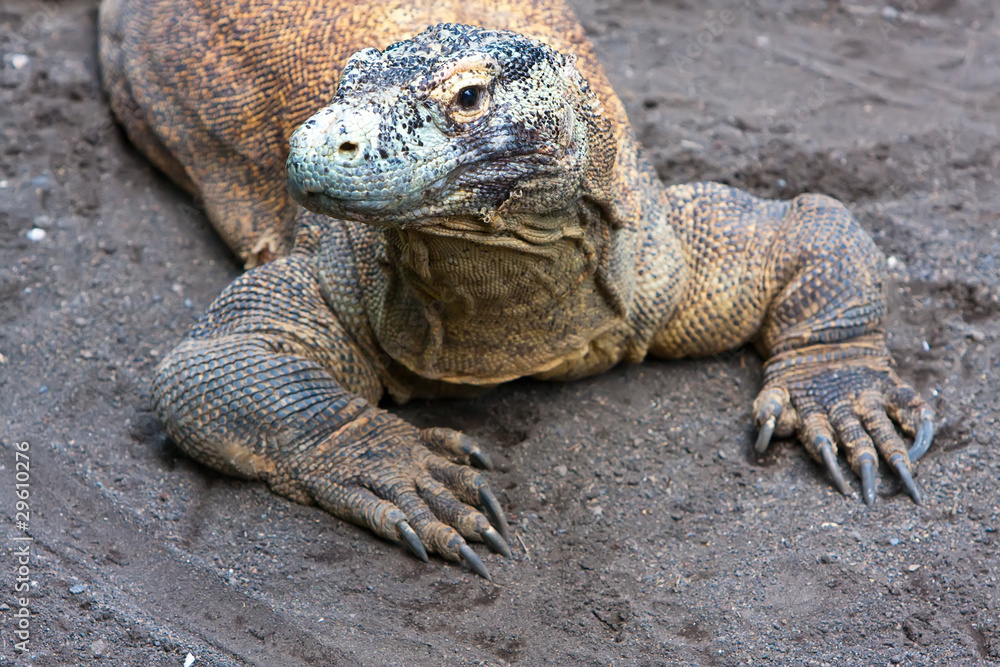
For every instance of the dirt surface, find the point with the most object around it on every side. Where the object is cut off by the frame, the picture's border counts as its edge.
(645, 531)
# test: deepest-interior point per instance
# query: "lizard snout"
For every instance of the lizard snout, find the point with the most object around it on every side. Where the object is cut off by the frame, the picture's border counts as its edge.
(334, 157)
(350, 142)
(341, 135)
(347, 151)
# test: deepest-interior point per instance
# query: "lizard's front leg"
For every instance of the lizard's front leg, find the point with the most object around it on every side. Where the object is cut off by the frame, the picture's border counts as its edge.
(806, 284)
(268, 386)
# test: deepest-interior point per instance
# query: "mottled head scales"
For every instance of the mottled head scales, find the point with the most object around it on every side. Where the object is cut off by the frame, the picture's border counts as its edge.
(401, 63)
(453, 122)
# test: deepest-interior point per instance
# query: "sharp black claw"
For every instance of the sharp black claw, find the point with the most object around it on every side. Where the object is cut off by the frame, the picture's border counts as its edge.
(911, 486)
(412, 540)
(480, 459)
(493, 510)
(472, 560)
(830, 459)
(496, 542)
(868, 480)
(925, 434)
(764, 437)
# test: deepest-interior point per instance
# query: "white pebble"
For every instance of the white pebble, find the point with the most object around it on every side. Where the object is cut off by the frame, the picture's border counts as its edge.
(35, 234)
(188, 660)
(19, 61)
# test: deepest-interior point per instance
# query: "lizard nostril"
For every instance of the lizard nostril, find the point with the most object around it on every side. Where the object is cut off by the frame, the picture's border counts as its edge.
(348, 149)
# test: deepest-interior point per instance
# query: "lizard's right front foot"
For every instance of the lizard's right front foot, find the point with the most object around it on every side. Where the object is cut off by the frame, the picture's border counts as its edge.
(406, 485)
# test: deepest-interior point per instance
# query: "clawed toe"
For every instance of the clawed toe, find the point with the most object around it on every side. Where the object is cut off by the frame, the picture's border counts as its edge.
(764, 437)
(456, 447)
(867, 464)
(493, 510)
(830, 460)
(481, 459)
(922, 441)
(412, 541)
(496, 542)
(474, 562)
(769, 407)
(903, 470)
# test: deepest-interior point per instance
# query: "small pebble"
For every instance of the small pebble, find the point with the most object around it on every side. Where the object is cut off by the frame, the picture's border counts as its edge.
(42, 182)
(98, 647)
(894, 541)
(561, 470)
(976, 335)
(19, 61)
(912, 568)
(35, 234)
(77, 589)
(188, 660)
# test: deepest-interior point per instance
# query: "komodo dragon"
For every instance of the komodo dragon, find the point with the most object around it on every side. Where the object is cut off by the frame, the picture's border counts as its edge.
(476, 209)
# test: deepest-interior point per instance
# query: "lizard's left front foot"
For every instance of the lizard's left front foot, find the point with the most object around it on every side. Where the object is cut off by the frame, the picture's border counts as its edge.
(845, 393)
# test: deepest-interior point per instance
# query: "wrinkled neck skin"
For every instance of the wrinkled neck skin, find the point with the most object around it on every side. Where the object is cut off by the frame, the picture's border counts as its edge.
(481, 302)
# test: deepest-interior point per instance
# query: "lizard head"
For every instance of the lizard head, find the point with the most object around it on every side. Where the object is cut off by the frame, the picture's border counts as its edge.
(456, 123)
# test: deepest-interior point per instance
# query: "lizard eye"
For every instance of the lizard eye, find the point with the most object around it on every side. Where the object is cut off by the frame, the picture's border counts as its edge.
(462, 91)
(468, 97)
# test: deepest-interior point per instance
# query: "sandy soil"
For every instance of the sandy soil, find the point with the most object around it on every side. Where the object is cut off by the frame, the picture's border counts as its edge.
(646, 532)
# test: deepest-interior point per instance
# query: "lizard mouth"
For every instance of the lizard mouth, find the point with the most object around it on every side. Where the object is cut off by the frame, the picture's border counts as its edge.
(387, 189)
(419, 203)
(320, 202)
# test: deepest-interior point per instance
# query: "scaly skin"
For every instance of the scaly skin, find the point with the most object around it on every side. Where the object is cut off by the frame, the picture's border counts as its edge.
(478, 211)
